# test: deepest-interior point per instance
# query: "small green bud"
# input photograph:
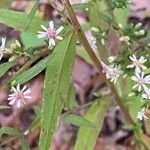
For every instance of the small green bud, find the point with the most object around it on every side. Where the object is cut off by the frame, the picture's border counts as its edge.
(94, 29)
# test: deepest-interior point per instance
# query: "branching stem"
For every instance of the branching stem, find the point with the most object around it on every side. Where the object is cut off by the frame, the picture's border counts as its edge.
(95, 59)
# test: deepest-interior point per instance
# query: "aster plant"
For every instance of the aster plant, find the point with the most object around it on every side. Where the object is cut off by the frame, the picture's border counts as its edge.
(124, 69)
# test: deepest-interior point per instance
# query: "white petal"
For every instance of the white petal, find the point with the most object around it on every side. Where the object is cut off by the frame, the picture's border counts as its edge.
(139, 88)
(59, 29)
(134, 78)
(130, 66)
(18, 104)
(137, 69)
(43, 27)
(42, 35)
(3, 42)
(27, 97)
(51, 25)
(27, 91)
(51, 42)
(1, 55)
(59, 37)
(14, 89)
(10, 98)
(134, 86)
(24, 88)
(12, 102)
(18, 87)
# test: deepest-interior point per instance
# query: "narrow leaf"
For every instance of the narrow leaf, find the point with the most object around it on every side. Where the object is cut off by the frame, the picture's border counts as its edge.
(17, 20)
(87, 135)
(5, 67)
(32, 14)
(71, 98)
(57, 81)
(33, 71)
(79, 121)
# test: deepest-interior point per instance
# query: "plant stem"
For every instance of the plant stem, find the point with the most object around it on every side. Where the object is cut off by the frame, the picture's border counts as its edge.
(26, 66)
(94, 58)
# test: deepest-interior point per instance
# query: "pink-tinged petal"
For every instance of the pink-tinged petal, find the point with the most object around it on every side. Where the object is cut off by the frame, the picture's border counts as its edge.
(27, 97)
(10, 98)
(59, 29)
(18, 104)
(12, 102)
(59, 37)
(51, 25)
(51, 42)
(24, 88)
(43, 27)
(12, 95)
(27, 92)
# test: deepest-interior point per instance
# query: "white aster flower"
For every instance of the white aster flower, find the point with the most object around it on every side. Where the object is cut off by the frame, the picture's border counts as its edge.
(137, 63)
(2, 47)
(141, 115)
(141, 81)
(19, 96)
(146, 95)
(112, 73)
(51, 33)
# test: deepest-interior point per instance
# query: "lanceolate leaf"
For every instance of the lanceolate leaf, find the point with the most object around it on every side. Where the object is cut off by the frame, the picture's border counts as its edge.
(32, 14)
(57, 81)
(79, 121)
(5, 67)
(87, 135)
(15, 132)
(32, 72)
(71, 98)
(17, 20)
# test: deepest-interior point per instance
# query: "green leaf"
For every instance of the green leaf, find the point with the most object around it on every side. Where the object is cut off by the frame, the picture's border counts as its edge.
(71, 98)
(32, 14)
(15, 132)
(105, 18)
(33, 71)
(57, 81)
(17, 20)
(5, 67)
(87, 135)
(134, 104)
(79, 121)
(122, 15)
(30, 40)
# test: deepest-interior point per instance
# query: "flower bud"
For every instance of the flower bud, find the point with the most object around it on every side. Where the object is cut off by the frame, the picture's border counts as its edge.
(94, 29)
